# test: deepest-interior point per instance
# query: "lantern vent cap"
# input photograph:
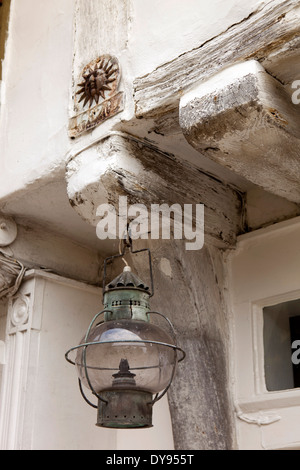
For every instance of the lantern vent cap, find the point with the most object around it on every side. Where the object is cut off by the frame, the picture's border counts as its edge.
(127, 279)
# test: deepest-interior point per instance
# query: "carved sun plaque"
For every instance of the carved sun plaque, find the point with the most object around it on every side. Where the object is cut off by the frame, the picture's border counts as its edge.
(96, 96)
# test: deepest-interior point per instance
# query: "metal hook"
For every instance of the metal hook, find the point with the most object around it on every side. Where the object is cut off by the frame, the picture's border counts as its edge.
(127, 242)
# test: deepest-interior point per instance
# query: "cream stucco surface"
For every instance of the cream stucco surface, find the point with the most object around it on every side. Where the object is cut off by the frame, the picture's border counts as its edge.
(264, 271)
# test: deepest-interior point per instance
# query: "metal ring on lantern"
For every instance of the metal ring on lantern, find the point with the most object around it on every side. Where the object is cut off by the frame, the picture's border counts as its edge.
(86, 344)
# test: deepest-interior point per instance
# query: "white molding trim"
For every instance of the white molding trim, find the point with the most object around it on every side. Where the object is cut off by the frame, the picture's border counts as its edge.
(22, 343)
(48, 275)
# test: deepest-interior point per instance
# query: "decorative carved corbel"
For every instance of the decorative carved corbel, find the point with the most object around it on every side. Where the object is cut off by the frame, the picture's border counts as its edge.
(146, 175)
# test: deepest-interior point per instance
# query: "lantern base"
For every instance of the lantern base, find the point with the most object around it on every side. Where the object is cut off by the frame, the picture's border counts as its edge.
(125, 409)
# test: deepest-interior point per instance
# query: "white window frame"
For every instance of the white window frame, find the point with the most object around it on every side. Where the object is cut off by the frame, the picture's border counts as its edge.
(264, 419)
(258, 347)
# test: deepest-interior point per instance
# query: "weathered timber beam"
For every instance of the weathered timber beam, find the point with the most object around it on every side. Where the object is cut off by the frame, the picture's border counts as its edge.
(123, 166)
(243, 119)
(256, 37)
(189, 289)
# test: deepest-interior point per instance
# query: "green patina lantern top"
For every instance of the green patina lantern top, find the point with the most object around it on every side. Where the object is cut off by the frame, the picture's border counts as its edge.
(127, 297)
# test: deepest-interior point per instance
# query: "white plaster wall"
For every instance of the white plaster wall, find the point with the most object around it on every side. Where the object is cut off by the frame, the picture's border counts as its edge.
(263, 271)
(264, 208)
(35, 92)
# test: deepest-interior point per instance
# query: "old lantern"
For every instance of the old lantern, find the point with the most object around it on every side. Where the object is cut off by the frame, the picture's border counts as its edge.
(124, 359)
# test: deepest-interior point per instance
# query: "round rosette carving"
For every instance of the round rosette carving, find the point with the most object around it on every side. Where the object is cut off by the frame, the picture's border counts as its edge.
(100, 80)
(20, 310)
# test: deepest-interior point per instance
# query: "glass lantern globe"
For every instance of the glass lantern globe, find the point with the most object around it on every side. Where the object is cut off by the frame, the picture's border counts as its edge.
(124, 359)
(140, 343)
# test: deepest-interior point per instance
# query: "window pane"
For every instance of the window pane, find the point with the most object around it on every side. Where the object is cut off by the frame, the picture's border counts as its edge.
(295, 336)
(280, 330)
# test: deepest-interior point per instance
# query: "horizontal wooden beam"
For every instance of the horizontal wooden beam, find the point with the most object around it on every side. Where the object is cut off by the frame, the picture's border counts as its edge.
(256, 37)
(244, 119)
(124, 166)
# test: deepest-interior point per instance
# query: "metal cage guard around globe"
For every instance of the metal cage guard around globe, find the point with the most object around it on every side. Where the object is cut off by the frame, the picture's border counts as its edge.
(124, 360)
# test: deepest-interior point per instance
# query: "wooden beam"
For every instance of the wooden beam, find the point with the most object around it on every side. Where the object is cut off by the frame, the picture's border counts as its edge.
(189, 289)
(256, 37)
(125, 166)
(243, 119)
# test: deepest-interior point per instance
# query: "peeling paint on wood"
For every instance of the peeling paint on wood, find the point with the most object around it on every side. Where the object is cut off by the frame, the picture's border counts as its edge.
(243, 118)
(256, 37)
(124, 166)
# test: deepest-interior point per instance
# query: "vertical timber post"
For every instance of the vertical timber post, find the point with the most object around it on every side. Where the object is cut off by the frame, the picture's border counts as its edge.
(191, 294)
